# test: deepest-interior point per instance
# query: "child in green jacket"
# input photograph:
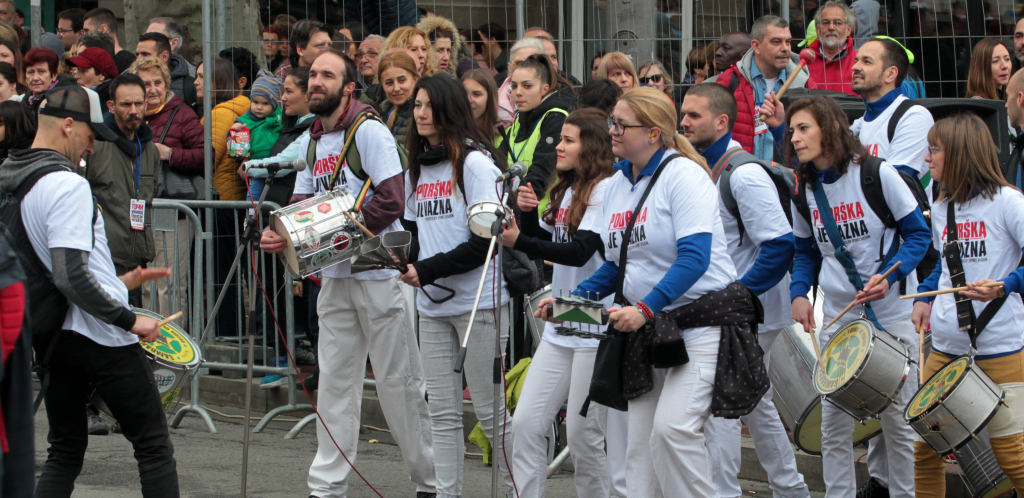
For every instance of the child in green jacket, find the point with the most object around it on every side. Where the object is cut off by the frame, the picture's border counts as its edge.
(264, 123)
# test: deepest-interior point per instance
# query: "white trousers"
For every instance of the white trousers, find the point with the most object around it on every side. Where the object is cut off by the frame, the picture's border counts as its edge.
(441, 339)
(774, 450)
(667, 455)
(360, 317)
(557, 373)
(616, 440)
(166, 287)
(837, 430)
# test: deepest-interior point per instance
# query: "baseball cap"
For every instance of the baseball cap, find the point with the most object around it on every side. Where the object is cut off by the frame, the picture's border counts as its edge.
(80, 104)
(96, 58)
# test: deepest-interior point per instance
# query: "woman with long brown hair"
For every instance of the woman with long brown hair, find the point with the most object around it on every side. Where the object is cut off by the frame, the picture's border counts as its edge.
(831, 162)
(563, 365)
(990, 70)
(483, 101)
(397, 75)
(964, 163)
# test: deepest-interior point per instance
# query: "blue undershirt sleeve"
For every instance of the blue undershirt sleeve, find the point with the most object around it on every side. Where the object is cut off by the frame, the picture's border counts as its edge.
(806, 259)
(1014, 281)
(693, 256)
(602, 282)
(772, 263)
(779, 135)
(908, 170)
(917, 237)
(931, 283)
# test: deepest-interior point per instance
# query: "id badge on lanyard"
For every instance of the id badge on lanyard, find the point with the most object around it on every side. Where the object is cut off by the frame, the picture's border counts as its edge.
(759, 125)
(138, 214)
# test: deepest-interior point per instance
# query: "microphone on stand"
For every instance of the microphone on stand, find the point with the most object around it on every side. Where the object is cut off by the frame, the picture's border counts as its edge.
(517, 170)
(293, 165)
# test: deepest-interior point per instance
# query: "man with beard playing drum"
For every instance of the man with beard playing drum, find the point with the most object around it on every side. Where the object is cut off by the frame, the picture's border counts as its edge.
(835, 212)
(989, 219)
(365, 313)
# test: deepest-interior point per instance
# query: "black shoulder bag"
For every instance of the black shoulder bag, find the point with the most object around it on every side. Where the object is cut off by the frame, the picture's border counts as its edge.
(606, 383)
(965, 317)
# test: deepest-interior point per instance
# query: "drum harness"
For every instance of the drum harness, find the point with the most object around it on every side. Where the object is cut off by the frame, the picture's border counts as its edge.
(965, 315)
(843, 254)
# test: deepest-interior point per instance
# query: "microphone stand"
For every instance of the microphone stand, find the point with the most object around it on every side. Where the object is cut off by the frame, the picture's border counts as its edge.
(250, 237)
(496, 229)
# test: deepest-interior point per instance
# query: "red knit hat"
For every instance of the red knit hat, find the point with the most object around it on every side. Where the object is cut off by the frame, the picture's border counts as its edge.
(96, 58)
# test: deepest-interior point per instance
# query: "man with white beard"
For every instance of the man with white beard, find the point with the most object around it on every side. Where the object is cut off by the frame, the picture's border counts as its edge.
(834, 50)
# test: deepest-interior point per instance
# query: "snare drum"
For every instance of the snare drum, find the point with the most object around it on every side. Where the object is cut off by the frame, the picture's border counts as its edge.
(863, 370)
(798, 402)
(981, 473)
(954, 405)
(174, 358)
(532, 304)
(318, 232)
(481, 215)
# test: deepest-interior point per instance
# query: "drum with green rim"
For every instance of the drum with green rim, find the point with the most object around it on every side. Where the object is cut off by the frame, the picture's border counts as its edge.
(862, 369)
(173, 356)
(954, 405)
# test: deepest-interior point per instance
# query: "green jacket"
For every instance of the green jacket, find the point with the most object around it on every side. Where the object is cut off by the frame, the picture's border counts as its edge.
(402, 120)
(263, 133)
(110, 170)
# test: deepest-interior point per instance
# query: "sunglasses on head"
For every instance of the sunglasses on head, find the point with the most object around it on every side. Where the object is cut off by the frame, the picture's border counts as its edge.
(654, 78)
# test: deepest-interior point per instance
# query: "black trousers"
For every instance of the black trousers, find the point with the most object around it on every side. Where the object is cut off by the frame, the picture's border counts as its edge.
(123, 377)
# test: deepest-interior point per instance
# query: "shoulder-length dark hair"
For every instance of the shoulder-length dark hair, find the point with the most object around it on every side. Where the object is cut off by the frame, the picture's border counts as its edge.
(489, 121)
(971, 165)
(593, 164)
(980, 82)
(601, 93)
(19, 126)
(449, 106)
(546, 72)
(838, 143)
(225, 80)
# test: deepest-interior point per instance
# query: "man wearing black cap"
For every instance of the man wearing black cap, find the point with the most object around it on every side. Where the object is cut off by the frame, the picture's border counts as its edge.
(97, 345)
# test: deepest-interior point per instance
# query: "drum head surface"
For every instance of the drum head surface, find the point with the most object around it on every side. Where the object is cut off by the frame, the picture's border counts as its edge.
(173, 346)
(843, 356)
(938, 387)
(808, 437)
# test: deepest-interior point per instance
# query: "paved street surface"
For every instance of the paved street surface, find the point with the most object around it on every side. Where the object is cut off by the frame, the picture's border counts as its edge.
(209, 465)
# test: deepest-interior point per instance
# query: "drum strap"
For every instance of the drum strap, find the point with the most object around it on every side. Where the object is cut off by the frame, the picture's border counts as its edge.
(843, 254)
(350, 140)
(965, 316)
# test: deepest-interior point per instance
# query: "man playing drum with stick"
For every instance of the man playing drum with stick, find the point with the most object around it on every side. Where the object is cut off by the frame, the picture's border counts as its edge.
(365, 313)
(831, 210)
(986, 244)
(92, 341)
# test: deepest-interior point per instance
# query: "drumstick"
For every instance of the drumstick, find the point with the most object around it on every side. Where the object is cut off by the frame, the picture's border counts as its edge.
(850, 306)
(947, 291)
(806, 57)
(920, 355)
(170, 319)
(368, 233)
(817, 349)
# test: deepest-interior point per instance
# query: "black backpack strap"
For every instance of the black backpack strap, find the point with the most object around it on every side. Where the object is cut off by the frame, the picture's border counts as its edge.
(894, 120)
(31, 180)
(800, 201)
(621, 279)
(734, 82)
(871, 184)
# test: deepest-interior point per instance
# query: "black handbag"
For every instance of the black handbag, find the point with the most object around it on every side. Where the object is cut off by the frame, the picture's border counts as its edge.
(172, 184)
(606, 383)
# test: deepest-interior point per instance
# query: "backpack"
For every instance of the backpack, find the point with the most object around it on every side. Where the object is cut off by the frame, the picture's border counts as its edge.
(782, 177)
(351, 152)
(871, 185)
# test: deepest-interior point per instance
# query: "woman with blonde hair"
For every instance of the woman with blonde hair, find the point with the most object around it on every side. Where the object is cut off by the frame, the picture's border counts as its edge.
(415, 41)
(676, 254)
(964, 163)
(653, 74)
(619, 68)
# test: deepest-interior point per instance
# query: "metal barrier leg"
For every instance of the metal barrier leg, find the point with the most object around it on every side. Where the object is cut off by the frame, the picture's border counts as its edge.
(194, 407)
(299, 426)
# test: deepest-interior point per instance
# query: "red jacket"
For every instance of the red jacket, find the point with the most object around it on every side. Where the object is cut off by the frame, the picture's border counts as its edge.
(837, 74)
(185, 137)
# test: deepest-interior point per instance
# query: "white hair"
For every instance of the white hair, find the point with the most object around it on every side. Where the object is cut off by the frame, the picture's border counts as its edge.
(528, 42)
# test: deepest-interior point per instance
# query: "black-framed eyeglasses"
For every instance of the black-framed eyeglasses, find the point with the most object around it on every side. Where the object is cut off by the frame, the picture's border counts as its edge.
(619, 128)
(654, 78)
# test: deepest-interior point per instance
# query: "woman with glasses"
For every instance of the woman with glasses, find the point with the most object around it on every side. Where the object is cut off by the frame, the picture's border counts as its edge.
(451, 167)
(563, 365)
(676, 254)
(653, 74)
(536, 91)
(831, 160)
(966, 166)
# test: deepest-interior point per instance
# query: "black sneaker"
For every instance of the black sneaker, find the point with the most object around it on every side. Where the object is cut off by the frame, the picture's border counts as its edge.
(311, 382)
(871, 488)
(97, 426)
(304, 356)
(424, 494)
